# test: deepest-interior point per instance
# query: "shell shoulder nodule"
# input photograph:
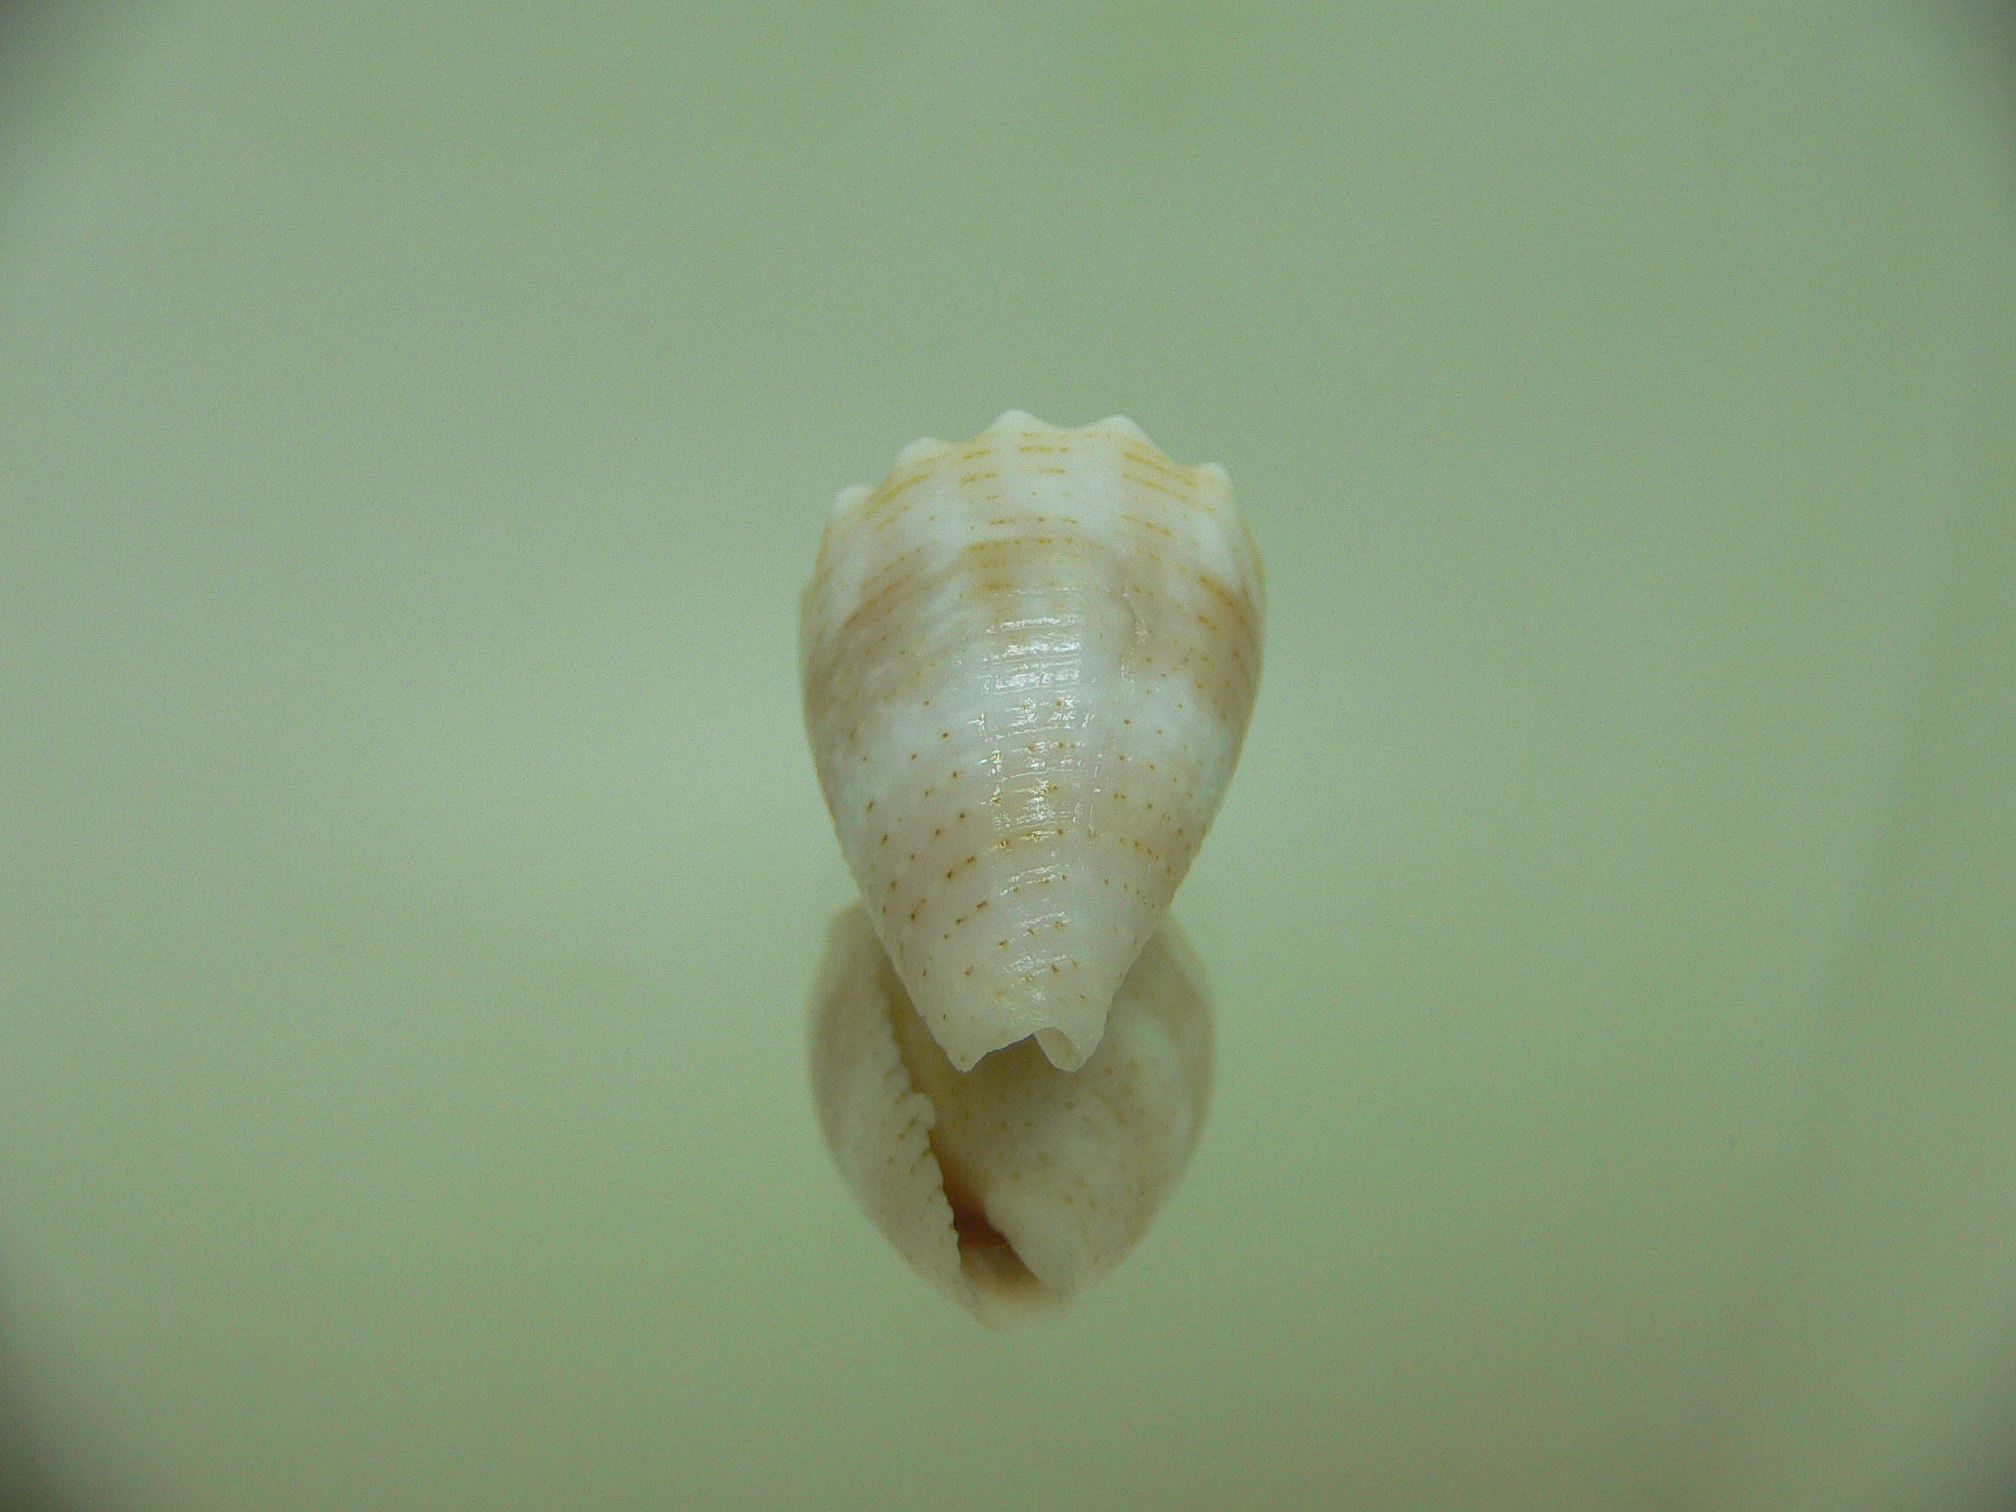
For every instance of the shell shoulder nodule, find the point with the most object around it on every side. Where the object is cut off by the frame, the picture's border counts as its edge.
(848, 500)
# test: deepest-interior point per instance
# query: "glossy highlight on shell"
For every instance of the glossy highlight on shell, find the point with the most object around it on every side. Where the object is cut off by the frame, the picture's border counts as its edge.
(1028, 663)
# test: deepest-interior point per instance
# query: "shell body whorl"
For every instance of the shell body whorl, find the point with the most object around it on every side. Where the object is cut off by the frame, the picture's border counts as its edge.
(1028, 663)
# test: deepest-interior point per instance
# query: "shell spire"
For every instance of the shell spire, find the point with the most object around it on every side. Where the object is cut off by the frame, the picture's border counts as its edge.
(1028, 663)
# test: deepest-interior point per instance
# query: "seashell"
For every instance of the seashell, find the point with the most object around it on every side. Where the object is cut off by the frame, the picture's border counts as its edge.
(1014, 1186)
(1028, 663)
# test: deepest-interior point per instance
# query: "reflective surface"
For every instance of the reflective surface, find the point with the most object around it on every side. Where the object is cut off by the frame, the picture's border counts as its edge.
(414, 424)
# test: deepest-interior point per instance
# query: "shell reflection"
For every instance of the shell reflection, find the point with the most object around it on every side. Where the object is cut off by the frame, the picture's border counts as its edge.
(1014, 1186)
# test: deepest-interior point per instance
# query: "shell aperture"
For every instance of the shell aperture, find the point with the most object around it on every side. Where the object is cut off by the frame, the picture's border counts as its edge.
(1028, 663)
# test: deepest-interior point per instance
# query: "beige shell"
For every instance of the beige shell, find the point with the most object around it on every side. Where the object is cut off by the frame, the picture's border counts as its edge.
(1028, 663)
(1014, 1186)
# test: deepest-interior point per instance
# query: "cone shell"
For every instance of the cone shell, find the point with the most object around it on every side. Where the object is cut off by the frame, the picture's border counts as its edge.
(1028, 664)
(1014, 1186)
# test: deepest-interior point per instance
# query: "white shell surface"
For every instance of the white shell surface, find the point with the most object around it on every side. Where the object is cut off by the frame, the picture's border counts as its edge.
(1014, 1186)
(1028, 663)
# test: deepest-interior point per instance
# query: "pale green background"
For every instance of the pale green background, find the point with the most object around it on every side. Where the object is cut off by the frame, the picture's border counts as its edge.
(415, 423)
